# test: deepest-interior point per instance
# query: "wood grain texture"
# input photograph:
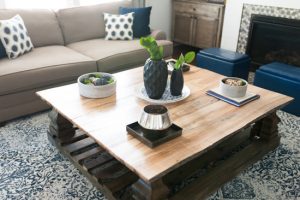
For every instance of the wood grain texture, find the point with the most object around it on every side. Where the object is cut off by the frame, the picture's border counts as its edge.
(197, 23)
(206, 121)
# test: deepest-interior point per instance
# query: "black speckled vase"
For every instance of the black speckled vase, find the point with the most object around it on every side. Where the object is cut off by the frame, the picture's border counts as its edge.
(177, 82)
(155, 78)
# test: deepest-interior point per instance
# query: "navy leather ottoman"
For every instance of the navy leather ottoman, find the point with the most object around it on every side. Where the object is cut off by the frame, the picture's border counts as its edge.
(281, 78)
(225, 62)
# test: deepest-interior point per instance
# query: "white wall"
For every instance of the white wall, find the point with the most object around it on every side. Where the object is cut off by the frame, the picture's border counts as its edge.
(161, 15)
(233, 14)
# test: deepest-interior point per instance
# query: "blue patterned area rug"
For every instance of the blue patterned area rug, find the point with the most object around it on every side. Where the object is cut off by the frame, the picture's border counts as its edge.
(31, 168)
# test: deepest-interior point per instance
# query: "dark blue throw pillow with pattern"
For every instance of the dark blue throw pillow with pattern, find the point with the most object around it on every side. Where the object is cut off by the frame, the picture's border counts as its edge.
(2, 51)
(141, 20)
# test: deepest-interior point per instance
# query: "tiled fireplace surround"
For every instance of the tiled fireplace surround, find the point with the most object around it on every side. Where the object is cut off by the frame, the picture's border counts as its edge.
(238, 16)
(249, 10)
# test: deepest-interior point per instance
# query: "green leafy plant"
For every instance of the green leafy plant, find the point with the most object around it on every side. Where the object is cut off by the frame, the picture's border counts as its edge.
(150, 44)
(187, 58)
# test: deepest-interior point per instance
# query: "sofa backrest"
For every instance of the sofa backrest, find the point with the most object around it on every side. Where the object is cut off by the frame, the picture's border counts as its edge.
(42, 25)
(86, 22)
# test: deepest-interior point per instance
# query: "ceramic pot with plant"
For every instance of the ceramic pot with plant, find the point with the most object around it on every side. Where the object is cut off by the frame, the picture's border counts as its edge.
(177, 80)
(155, 69)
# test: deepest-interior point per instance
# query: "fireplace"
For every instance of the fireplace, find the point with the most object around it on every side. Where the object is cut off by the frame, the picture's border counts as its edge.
(273, 39)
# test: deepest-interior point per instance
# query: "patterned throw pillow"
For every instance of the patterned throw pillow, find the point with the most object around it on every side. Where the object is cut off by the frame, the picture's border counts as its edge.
(118, 27)
(14, 37)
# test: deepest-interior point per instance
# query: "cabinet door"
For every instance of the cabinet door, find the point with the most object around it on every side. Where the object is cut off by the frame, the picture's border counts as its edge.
(182, 28)
(205, 31)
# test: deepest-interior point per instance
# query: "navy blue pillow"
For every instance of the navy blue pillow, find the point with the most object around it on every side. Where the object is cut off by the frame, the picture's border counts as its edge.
(141, 20)
(2, 51)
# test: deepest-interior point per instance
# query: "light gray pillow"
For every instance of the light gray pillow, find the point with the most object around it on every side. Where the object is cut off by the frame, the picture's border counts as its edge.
(118, 27)
(14, 37)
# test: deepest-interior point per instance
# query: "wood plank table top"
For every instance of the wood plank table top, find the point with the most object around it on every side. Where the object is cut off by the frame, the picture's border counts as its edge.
(205, 120)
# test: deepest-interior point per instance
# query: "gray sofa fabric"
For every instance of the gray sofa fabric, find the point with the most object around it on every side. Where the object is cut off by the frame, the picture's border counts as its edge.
(113, 56)
(52, 64)
(67, 43)
(42, 25)
(87, 22)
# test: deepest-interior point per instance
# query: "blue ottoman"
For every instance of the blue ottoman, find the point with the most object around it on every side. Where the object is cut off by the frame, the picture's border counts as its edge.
(281, 78)
(225, 62)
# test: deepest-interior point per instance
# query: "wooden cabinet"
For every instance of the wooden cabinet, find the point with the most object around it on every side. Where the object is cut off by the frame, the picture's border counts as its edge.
(183, 22)
(198, 23)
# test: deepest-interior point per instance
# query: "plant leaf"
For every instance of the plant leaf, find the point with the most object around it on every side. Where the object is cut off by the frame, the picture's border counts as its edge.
(150, 44)
(161, 52)
(189, 57)
(181, 59)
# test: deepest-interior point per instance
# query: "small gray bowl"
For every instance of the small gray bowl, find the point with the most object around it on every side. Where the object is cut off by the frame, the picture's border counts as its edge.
(94, 92)
(155, 118)
(232, 90)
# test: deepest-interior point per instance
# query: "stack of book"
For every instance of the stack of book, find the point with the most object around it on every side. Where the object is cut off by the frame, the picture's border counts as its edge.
(234, 101)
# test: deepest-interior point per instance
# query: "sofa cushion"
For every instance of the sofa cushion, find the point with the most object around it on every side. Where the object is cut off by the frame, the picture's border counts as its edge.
(41, 24)
(42, 67)
(141, 20)
(86, 22)
(118, 27)
(13, 34)
(114, 56)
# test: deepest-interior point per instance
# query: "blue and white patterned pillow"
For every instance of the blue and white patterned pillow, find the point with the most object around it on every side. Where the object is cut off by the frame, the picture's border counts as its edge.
(118, 27)
(14, 37)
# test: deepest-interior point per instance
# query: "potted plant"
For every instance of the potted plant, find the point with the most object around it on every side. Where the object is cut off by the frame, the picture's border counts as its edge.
(177, 80)
(155, 69)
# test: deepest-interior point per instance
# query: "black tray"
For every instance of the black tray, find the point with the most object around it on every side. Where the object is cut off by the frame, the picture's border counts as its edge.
(153, 139)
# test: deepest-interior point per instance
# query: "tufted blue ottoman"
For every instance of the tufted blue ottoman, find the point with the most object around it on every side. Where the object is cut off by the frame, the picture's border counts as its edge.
(281, 78)
(225, 62)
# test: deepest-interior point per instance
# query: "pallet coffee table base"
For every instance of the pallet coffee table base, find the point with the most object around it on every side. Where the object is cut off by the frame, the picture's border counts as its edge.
(116, 181)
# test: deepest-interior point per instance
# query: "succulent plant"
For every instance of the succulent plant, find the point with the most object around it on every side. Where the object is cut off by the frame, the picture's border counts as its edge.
(98, 79)
(149, 43)
(187, 58)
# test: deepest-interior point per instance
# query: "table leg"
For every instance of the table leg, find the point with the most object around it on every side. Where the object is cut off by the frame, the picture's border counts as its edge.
(266, 128)
(150, 191)
(59, 126)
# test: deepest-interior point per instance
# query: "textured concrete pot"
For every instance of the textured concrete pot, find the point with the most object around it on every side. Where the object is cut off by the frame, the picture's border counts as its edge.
(231, 90)
(92, 91)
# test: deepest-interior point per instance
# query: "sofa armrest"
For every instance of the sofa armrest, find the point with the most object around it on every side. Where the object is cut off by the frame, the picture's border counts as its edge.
(158, 35)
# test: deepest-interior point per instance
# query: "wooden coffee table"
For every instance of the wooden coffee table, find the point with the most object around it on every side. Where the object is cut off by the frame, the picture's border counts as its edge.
(92, 134)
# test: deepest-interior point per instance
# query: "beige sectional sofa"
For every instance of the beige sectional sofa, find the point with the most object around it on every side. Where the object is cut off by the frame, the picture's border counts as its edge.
(68, 43)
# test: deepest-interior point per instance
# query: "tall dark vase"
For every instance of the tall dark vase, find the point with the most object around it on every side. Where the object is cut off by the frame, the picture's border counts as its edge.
(155, 78)
(177, 82)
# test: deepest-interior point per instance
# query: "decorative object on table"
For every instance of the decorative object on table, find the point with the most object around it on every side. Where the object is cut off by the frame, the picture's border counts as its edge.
(155, 69)
(248, 97)
(97, 85)
(171, 62)
(136, 131)
(177, 80)
(14, 37)
(155, 118)
(141, 20)
(118, 27)
(166, 98)
(154, 126)
(233, 87)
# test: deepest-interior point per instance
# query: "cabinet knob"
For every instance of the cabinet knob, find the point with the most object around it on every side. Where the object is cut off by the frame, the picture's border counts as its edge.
(194, 9)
